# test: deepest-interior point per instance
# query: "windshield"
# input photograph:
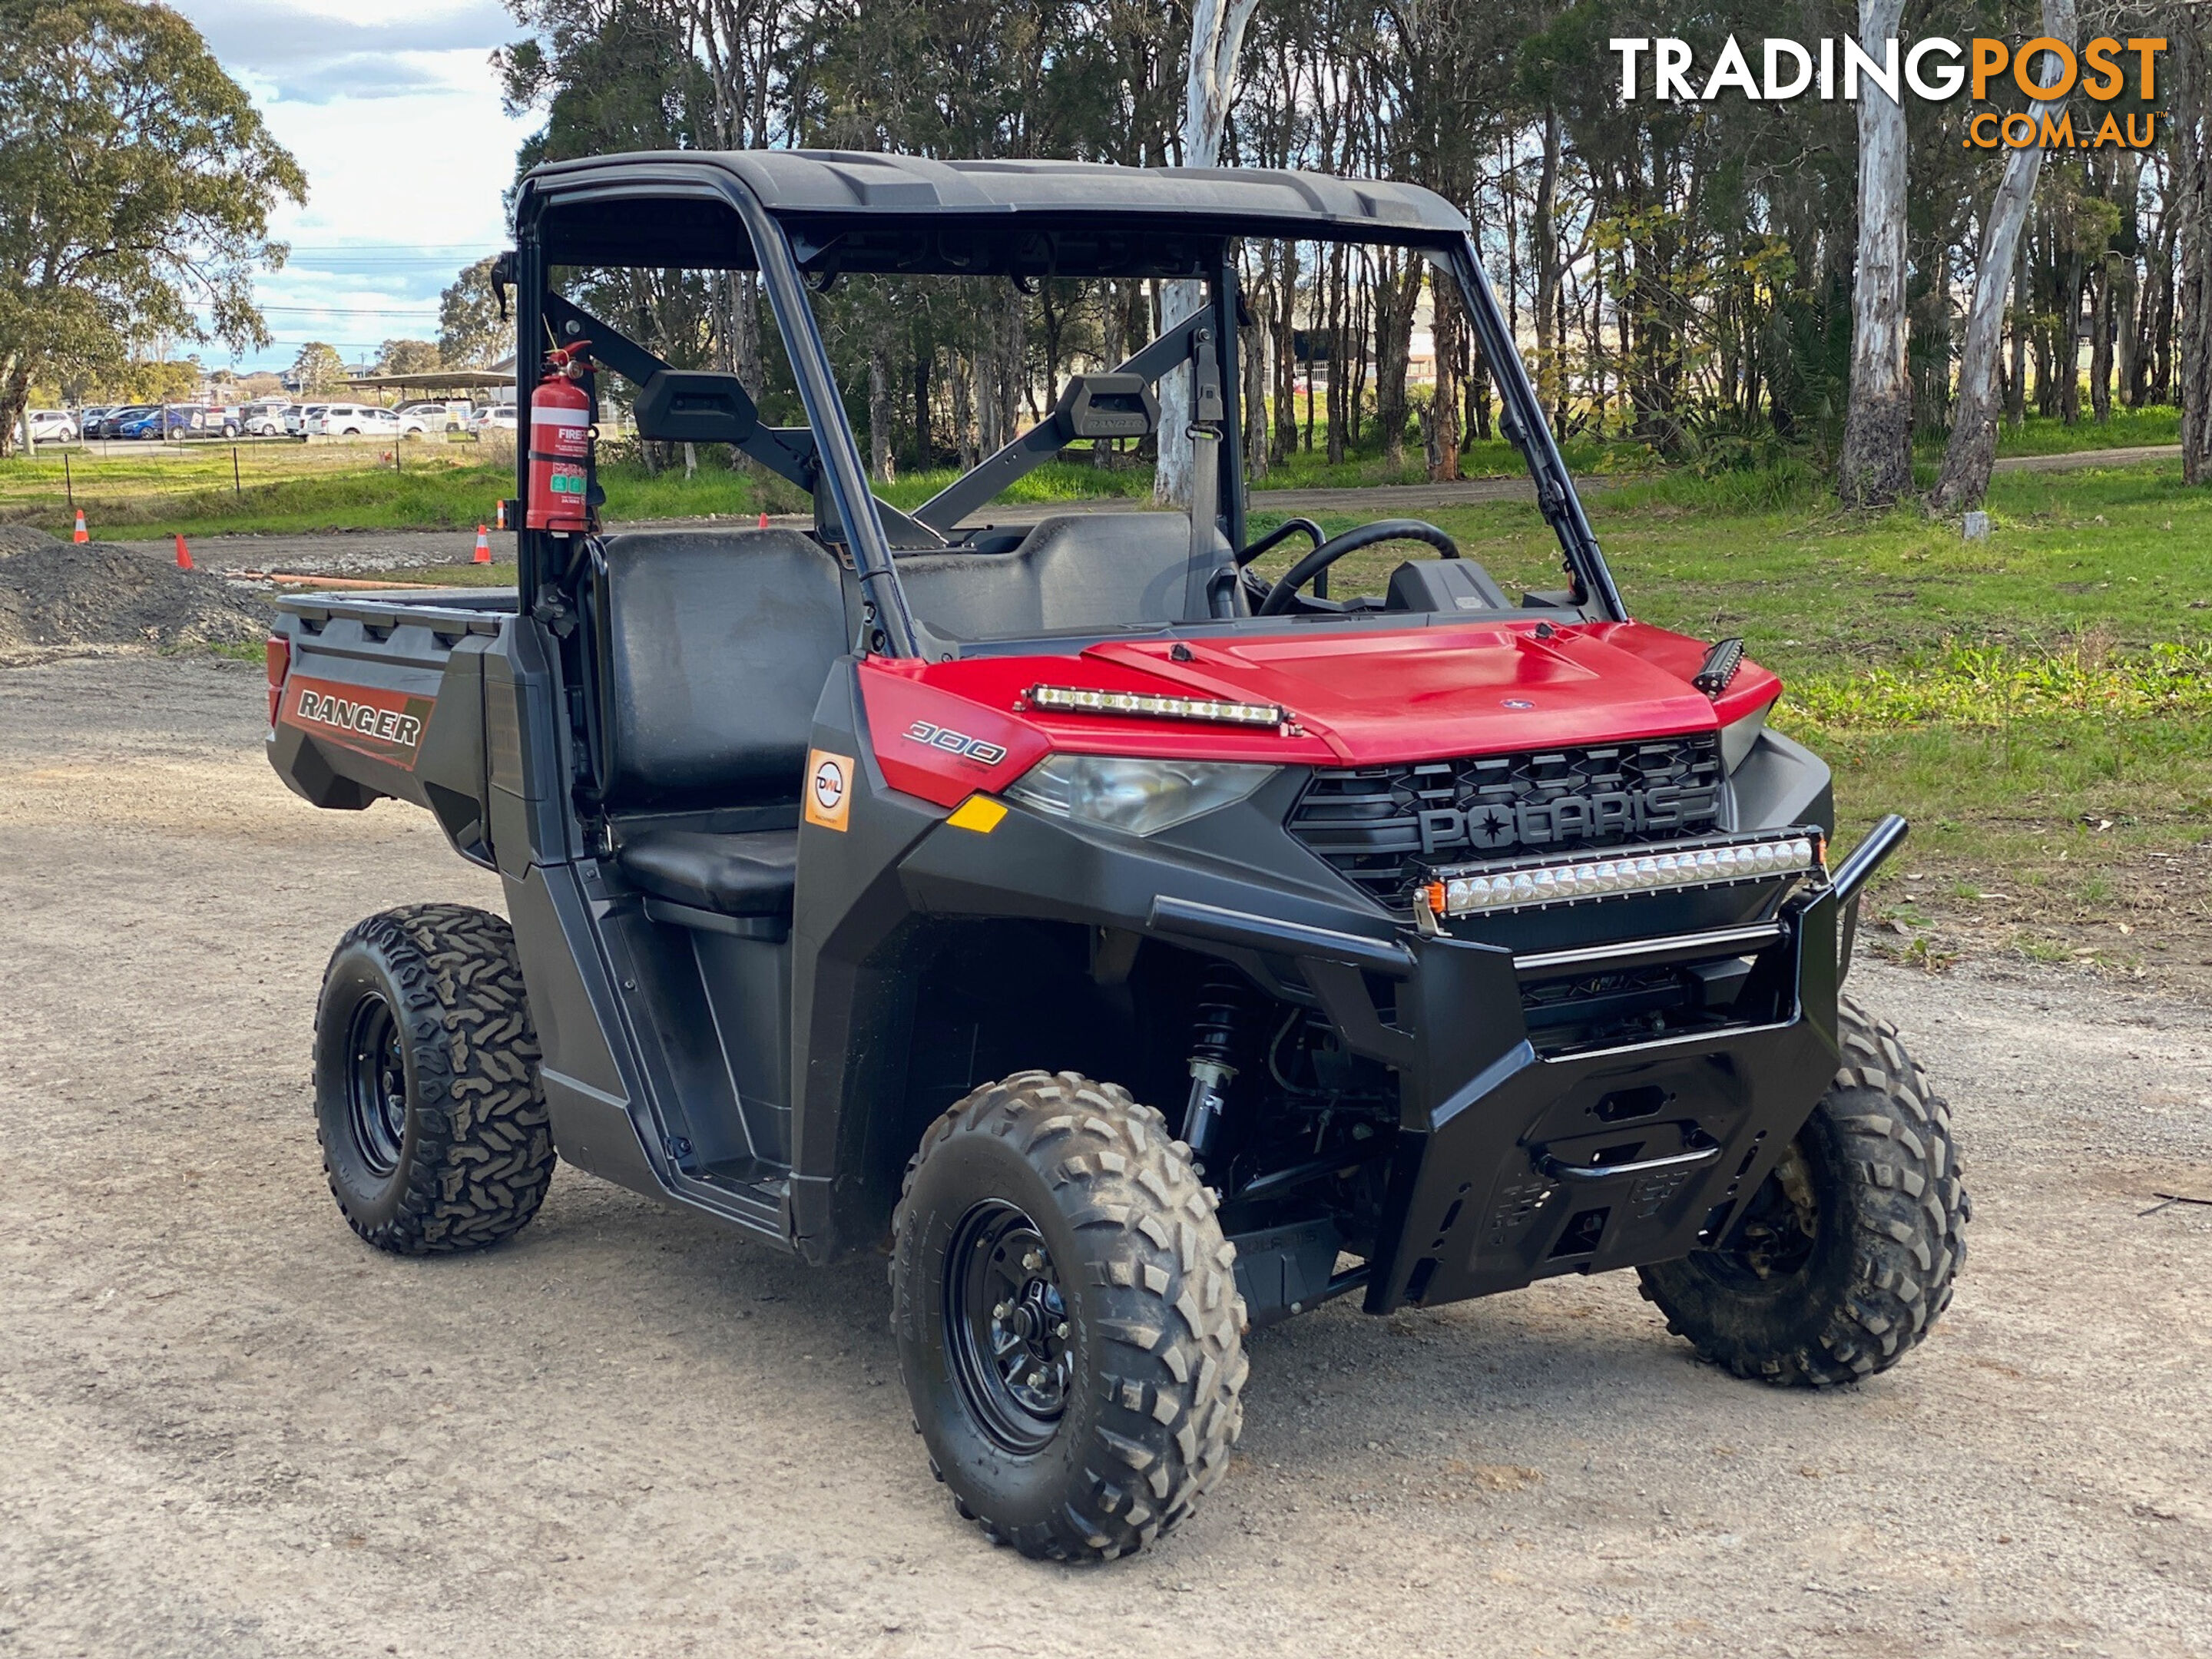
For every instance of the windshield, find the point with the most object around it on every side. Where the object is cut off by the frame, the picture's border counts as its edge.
(1094, 424)
(1038, 419)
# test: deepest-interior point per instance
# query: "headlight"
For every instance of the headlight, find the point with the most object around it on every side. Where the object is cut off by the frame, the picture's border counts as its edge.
(1142, 797)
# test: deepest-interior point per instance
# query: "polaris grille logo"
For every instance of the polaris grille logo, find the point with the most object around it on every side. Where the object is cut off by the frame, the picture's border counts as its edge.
(1663, 809)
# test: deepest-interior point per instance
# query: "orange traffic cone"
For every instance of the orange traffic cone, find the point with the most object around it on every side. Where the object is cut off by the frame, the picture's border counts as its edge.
(499, 515)
(484, 545)
(184, 555)
(763, 523)
(82, 534)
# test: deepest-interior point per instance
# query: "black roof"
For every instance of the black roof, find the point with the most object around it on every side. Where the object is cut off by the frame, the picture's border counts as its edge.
(660, 207)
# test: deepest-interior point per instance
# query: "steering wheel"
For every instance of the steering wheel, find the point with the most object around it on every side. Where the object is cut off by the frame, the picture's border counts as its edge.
(1385, 529)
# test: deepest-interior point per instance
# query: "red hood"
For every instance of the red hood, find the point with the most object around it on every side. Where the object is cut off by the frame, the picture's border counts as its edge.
(1353, 698)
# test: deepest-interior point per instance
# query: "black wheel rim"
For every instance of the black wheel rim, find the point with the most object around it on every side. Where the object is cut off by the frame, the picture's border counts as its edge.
(1006, 1327)
(1772, 1240)
(376, 1085)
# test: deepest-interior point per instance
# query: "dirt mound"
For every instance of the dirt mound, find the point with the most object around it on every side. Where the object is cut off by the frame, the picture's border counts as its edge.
(62, 594)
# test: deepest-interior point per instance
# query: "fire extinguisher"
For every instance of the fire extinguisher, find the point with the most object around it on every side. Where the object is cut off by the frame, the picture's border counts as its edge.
(561, 445)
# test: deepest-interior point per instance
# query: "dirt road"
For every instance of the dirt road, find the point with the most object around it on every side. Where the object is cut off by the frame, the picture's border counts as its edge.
(227, 1428)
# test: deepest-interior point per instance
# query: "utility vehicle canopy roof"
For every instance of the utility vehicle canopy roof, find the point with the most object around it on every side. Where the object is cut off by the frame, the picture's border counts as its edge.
(858, 211)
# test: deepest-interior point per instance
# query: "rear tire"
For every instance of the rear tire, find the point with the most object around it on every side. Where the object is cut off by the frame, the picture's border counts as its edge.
(1067, 1317)
(427, 1104)
(1840, 1263)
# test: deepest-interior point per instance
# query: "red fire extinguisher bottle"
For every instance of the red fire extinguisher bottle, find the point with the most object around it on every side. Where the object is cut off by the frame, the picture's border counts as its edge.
(561, 445)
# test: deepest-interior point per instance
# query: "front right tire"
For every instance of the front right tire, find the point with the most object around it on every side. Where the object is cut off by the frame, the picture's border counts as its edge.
(1067, 1318)
(1838, 1266)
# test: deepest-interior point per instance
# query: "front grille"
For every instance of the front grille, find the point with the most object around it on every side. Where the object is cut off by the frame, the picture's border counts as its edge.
(1382, 826)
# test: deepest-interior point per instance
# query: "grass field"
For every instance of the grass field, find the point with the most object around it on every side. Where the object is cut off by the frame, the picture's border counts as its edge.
(135, 490)
(2039, 702)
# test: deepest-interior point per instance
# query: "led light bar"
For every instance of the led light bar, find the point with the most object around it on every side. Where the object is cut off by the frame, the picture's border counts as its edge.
(1486, 891)
(1076, 700)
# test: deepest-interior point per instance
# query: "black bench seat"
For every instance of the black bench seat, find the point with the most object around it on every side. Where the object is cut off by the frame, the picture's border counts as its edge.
(742, 875)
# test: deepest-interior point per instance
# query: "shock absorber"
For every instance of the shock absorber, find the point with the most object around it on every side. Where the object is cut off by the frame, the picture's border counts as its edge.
(1223, 1000)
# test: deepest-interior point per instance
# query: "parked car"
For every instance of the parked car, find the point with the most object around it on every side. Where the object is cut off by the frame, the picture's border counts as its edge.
(264, 418)
(351, 420)
(112, 422)
(497, 417)
(144, 420)
(295, 420)
(197, 421)
(417, 420)
(88, 418)
(49, 426)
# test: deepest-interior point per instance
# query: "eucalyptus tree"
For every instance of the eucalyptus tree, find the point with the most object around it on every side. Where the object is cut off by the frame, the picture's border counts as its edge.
(136, 180)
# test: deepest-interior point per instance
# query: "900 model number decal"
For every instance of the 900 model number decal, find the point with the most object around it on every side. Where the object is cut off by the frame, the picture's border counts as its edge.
(386, 726)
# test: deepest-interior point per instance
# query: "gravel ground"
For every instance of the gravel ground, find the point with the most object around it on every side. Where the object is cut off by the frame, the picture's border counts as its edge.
(231, 1429)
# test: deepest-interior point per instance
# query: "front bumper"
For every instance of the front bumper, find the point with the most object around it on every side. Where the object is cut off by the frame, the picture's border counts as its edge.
(1516, 1157)
(1512, 1165)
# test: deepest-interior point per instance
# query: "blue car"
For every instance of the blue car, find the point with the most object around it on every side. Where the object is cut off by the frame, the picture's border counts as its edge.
(146, 423)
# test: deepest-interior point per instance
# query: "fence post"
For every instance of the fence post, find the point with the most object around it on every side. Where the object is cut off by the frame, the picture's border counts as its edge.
(237, 490)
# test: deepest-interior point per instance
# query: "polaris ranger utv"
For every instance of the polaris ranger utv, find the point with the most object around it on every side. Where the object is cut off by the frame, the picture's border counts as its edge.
(1140, 952)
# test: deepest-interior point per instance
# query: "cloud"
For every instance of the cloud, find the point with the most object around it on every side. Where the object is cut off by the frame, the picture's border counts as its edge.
(304, 55)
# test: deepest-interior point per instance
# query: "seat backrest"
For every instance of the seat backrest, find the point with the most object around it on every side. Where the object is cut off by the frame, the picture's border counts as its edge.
(1079, 571)
(716, 644)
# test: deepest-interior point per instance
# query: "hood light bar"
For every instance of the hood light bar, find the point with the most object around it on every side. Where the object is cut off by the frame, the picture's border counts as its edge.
(1077, 700)
(1465, 892)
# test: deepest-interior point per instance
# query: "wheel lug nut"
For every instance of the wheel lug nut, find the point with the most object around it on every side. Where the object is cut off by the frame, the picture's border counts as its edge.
(1037, 1379)
(1002, 1310)
(1060, 1330)
(1032, 1261)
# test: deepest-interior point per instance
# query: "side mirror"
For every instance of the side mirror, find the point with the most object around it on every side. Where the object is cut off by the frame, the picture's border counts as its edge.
(1108, 406)
(683, 405)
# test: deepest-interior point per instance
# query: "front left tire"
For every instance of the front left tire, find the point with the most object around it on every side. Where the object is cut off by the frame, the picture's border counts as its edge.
(432, 1122)
(1067, 1318)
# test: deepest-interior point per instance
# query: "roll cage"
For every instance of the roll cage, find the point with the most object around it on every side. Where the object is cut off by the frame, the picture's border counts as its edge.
(806, 219)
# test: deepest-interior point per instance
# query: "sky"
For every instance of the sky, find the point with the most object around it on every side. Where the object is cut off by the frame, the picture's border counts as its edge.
(393, 111)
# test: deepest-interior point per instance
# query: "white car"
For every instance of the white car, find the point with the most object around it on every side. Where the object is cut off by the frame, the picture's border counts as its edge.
(264, 419)
(296, 418)
(351, 420)
(498, 417)
(51, 426)
(421, 420)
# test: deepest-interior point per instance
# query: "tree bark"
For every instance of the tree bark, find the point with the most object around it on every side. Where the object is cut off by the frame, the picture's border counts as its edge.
(1544, 254)
(880, 466)
(2190, 153)
(1972, 451)
(1257, 341)
(1877, 467)
(1216, 35)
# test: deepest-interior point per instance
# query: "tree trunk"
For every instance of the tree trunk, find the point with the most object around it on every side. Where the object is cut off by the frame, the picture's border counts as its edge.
(1877, 456)
(1256, 343)
(1216, 35)
(2101, 342)
(2016, 386)
(880, 466)
(1972, 451)
(1544, 254)
(2190, 158)
(1286, 356)
(1443, 423)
